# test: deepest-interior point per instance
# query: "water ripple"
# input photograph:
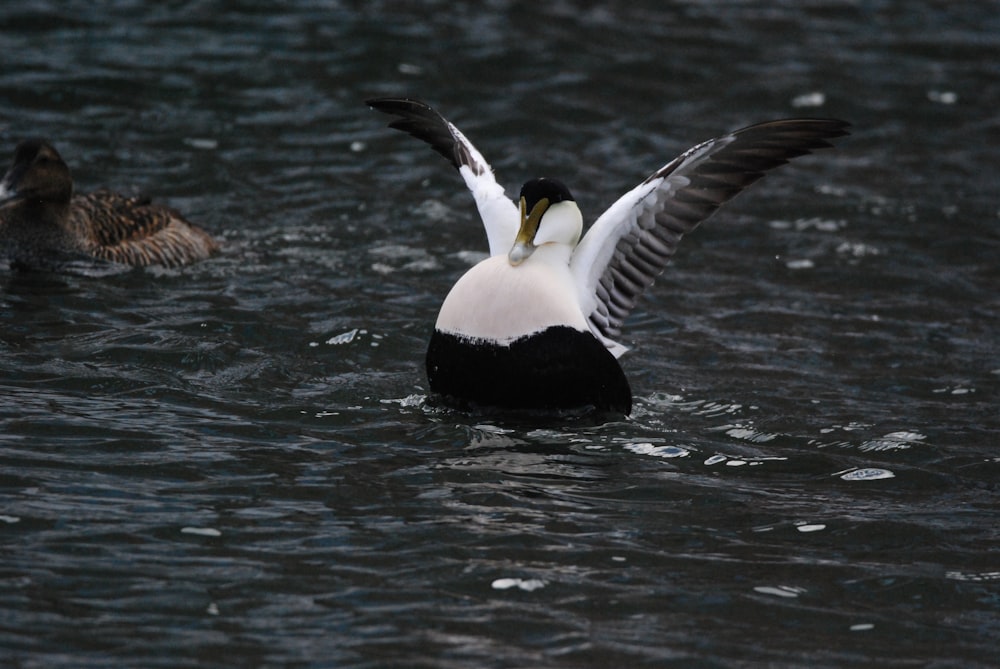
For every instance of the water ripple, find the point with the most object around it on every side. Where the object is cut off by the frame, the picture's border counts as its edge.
(239, 462)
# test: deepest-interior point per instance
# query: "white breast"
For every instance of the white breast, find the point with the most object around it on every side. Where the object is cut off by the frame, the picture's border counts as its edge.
(498, 302)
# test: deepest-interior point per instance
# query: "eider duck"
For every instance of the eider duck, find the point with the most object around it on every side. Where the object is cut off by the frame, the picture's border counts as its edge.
(536, 325)
(43, 224)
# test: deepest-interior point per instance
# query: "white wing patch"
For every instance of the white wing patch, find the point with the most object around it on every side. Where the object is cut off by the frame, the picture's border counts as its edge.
(500, 216)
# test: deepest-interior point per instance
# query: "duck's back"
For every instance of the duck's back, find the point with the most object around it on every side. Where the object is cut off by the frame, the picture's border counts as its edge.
(134, 231)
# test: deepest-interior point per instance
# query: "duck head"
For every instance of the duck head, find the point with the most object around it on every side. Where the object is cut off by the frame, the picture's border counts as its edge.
(549, 215)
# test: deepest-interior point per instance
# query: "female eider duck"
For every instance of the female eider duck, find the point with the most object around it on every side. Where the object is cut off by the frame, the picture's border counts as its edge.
(43, 224)
(535, 325)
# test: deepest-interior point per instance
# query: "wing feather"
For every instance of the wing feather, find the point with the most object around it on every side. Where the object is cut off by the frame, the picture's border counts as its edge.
(631, 243)
(500, 215)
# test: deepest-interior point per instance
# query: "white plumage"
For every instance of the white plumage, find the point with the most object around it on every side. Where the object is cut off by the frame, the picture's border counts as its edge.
(539, 278)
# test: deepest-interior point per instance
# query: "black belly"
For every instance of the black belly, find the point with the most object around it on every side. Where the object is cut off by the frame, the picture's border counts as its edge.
(558, 368)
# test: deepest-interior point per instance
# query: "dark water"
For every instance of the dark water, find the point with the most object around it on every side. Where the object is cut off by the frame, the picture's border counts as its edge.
(234, 464)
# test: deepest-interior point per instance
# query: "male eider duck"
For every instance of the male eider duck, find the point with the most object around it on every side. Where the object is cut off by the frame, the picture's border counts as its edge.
(43, 224)
(535, 325)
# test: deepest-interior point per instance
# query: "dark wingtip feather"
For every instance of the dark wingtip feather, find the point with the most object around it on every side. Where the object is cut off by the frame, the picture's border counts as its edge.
(420, 120)
(711, 174)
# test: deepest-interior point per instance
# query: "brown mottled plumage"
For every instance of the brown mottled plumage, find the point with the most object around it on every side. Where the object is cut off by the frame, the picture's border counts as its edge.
(42, 223)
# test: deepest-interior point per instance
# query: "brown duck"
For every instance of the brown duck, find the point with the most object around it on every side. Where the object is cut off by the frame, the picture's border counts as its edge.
(43, 224)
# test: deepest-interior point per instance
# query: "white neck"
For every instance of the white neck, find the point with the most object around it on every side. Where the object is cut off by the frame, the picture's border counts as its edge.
(562, 223)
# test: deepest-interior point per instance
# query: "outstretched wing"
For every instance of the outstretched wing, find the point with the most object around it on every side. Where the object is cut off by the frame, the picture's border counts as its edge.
(500, 215)
(631, 243)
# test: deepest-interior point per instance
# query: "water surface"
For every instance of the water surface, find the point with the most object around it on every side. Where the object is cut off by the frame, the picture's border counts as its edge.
(236, 463)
